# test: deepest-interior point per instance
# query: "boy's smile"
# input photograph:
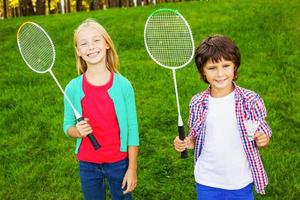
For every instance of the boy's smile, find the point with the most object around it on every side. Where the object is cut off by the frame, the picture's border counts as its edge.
(220, 76)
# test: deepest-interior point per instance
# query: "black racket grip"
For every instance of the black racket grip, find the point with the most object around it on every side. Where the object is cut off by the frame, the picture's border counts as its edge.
(184, 154)
(92, 138)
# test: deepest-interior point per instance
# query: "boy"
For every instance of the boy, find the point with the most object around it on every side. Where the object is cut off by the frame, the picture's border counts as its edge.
(227, 125)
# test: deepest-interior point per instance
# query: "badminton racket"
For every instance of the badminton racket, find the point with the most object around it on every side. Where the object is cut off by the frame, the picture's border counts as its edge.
(38, 52)
(169, 42)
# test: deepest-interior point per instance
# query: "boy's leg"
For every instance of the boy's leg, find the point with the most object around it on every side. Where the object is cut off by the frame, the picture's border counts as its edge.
(208, 193)
(91, 177)
(114, 173)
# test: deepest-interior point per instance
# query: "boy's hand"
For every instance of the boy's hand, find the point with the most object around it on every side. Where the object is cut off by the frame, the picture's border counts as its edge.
(84, 128)
(181, 145)
(261, 139)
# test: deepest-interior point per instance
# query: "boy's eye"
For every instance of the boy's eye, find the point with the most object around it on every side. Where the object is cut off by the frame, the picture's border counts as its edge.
(226, 66)
(211, 68)
(83, 44)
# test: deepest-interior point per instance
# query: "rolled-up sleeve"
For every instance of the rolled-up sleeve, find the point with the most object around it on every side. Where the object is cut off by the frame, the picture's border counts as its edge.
(259, 114)
(133, 133)
(194, 118)
(69, 116)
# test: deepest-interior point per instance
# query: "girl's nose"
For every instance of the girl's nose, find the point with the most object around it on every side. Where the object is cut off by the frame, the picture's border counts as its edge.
(91, 46)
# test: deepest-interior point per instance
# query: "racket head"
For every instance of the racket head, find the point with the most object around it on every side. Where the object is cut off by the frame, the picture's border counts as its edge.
(36, 47)
(168, 39)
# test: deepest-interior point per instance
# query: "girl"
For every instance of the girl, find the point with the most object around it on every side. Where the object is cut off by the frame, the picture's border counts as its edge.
(227, 125)
(106, 101)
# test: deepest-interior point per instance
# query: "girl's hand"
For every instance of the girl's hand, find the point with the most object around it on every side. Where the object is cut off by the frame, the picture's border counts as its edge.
(129, 180)
(84, 128)
(181, 145)
(261, 139)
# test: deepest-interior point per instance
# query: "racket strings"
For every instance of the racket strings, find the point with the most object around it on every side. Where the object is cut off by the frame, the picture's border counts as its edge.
(169, 39)
(36, 48)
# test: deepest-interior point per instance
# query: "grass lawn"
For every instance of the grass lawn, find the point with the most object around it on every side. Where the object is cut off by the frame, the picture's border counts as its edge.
(37, 160)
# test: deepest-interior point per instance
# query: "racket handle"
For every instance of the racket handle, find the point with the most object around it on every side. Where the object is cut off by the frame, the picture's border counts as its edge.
(92, 138)
(94, 142)
(184, 154)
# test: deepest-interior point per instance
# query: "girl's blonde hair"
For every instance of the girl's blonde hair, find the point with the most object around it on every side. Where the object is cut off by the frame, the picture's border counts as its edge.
(112, 60)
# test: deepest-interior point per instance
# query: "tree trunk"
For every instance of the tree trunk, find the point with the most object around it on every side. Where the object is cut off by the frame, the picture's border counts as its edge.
(26, 8)
(94, 4)
(78, 5)
(112, 3)
(69, 5)
(4, 9)
(105, 4)
(40, 7)
(49, 6)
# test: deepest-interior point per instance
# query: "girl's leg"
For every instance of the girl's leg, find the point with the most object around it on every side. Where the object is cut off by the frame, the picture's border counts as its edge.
(208, 193)
(91, 176)
(114, 173)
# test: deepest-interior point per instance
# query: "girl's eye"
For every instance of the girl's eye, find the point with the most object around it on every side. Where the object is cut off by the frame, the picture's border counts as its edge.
(226, 66)
(83, 44)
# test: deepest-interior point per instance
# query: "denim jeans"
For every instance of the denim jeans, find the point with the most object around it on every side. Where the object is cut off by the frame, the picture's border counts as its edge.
(93, 175)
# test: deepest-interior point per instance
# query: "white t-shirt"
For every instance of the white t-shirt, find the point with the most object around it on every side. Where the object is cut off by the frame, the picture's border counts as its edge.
(222, 163)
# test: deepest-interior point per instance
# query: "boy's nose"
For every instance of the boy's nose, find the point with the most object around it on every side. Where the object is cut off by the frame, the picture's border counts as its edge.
(220, 72)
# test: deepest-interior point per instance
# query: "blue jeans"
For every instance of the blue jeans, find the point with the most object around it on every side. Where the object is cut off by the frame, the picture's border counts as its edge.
(211, 193)
(92, 178)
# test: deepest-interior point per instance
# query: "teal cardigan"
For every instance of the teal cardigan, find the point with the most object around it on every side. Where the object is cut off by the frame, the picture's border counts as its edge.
(122, 95)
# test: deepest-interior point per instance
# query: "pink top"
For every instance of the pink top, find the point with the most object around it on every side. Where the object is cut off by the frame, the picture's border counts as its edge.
(98, 107)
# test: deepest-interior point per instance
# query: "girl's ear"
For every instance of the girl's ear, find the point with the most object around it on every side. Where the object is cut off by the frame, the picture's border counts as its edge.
(77, 52)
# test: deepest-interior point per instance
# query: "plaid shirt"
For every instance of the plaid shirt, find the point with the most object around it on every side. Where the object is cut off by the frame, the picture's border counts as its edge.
(248, 106)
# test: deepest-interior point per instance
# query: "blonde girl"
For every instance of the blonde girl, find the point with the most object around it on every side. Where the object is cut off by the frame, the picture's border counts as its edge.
(106, 101)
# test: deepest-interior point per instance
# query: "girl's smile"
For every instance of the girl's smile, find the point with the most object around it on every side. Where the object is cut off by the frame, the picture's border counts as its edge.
(94, 54)
(91, 46)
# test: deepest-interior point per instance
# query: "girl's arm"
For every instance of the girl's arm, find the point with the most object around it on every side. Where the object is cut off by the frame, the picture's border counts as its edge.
(130, 178)
(81, 129)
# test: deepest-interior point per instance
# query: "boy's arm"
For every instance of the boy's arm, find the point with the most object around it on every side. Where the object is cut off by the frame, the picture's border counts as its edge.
(190, 142)
(187, 143)
(263, 132)
(259, 113)
(261, 139)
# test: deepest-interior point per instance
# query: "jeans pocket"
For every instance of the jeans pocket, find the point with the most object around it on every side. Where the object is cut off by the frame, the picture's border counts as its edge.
(115, 171)
(86, 168)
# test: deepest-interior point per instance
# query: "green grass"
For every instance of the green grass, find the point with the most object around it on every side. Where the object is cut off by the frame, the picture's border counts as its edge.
(37, 160)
